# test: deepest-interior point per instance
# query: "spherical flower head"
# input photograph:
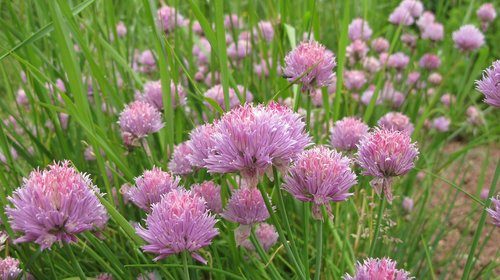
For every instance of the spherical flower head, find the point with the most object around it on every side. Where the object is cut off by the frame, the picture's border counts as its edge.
(21, 97)
(356, 50)
(150, 186)
(383, 269)
(246, 206)
(201, 143)
(425, 20)
(435, 78)
(9, 269)
(359, 30)
(414, 7)
(407, 204)
(147, 58)
(474, 115)
(216, 93)
(153, 94)
(484, 193)
(264, 29)
(385, 154)
(367, 95)
(314, 59)
(121, 29)
(433, 32)
(347, 132)
(430, 61)
(354, 79)
(494, 211)
(441, 124)
(202, 50)
(413, 78)
(380, 45)
(180, 222)
(486, 13)
(239, 49)
(251, 139)
(396, 121)
(320, 176)
(266, 235)
(398, 61)
(448, 99)
(401, 16)
(54, 205)
(169, 18)
(179, 164)
(409, 39)
(371, 64)
(211, 193)
(489, 85)
(232, 21)
(139, 119)
(468, 38)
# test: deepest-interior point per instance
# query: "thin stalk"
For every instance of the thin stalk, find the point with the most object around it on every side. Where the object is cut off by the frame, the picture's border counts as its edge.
(307, 213)
(75, 262)
(373, 246)
(308, 108)
(319, 250)
(185, 264)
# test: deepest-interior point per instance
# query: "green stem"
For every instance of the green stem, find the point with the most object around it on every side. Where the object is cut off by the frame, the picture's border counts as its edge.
(308, 108)
(281, 234)
(76, 263)
(185, 264)
(306, 215)
(373, 246)
(319, 250)
(263, 255)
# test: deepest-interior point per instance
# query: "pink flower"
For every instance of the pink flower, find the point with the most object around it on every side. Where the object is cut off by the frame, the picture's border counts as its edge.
(414, 7)
(121, 29)
(494, 211)
(202, 50)
(54, 205)
(396, 121)
(266, 235)
(468, 38)
(426, 19)
(359, 30)
(401, 16)
(239, 49)
(320, 176)
(398, 61)
(409, 39)
(246, 206)
(356, 50)
(380, 45)
(407, 204)
(489, 85)
(447, 99)
(433, 32)
(474, 115)
(385, 154)
(179, 222)
(311, 58)
(169, 18)
(347, 133)
(378, 269)
(354, 79)
(216, 93)
(150, 186)
(153, 94)
(201, 144)
(264, 29)
(232, 21)
(21, 97)
(442, 124)
(211, 193)
(179, 164)
(413, 78)
(486, 13)
(435, 78)
(371, 64)
(430, 61)
(9, 269)
(137, 120)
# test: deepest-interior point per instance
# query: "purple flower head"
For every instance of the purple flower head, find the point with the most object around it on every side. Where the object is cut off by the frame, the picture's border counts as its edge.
(433, 32)
(147, 58)
(414, 7)
(9, 269)
(401, 16)
(371, 64)
(138, 120)
(430, 61)
(150, 186)
(378, 269)
(468, 38)
(494, 211)
(54, 205)
(217, 94)
(409, 39)
(314, 59)
(484, 193)
(264, 29)
(398, 61)
(380, 45)
(201, 143)
(347, 132)
(153, 94)
(239, 49)
(489, 85)
(359, 30)
(251, 139)
(232, 21)
(407, 204)
(179, 164)
(367, 95)
(385, 154)
(448, 99)
(21, 97)
(435, 78)
(396, 121)
(246, 206)
(441, 124)
(121, 29)
(202, 50)
(179, 222)
(426, 19)
(474, 115)
(413, 78)
(320, 176)
(211, 193)
(266, 235)
(104, 276)
(354, 79)
(169, 18)
(486, 13)
(356, 50)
